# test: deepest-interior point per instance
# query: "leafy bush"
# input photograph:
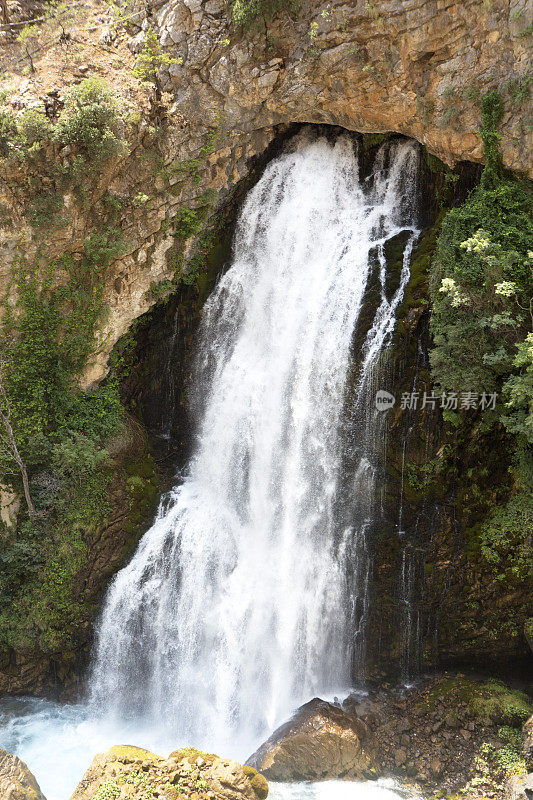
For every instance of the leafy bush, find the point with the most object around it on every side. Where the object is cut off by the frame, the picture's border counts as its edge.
(62, 434)
(504, 538)
(90, 121)
(34, 128)
(45, 206)
(518, 391)
(8, 130)
(480, 286)
(187, 222)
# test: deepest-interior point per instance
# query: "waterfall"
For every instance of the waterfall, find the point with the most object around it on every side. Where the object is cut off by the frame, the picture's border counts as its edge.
(239, 602)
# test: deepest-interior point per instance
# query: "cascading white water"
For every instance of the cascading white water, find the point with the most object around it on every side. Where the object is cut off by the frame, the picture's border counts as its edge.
(236, 607)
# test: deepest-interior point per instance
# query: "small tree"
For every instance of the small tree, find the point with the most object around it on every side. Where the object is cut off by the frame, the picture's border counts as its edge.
(8, 442)
(151, 60)
(27, 38)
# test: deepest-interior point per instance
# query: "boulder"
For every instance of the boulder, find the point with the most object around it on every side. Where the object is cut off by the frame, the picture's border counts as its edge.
(520, 787)
(527, 743)
(16, 781)
(320, 742)
(135, 773)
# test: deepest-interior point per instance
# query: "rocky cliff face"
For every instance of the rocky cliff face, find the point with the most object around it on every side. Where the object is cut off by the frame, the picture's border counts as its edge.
(416, 68)
(413, 68)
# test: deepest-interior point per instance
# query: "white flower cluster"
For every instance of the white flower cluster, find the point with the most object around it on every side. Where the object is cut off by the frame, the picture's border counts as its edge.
(477, 243)
(449, 287)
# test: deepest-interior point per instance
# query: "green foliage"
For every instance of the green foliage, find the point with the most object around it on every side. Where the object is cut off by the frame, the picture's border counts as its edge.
(480, 286)
(495, 765)
(27, 38)
(505, 536)
(8, 130)
(488, 701)
(187, 222)
(48, 342)
(45, 206)
(108, 790)
(90, 123)
(491, 115)
(518, 390)
(61, 433)
(34, 128)
(247, 13)
(525, 32)
(420, 477)
(162, 289)
(151, 59)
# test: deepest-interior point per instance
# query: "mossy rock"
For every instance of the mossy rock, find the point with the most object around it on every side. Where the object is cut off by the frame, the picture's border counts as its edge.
(192, 753)
(259, 785)
(489, 701)
(131, 753)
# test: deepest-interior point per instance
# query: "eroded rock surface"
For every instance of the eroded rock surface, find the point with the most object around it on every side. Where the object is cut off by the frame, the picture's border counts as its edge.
(16, 781)
(417, 68)
(321, 742)
(185, 773)
(411, 67)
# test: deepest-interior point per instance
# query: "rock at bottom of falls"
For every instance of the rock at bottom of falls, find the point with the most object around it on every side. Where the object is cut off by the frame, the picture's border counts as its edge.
(130, 771)
(320, 742)
(16, 781)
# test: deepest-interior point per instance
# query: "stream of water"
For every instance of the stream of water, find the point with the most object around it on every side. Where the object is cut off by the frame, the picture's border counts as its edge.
(249, 594)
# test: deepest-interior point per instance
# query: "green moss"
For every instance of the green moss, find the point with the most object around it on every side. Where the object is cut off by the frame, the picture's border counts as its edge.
(489, 701)
(371, 140)
(416, 290)
(260, 786)
(192, 753)
(130, 752)
(249, 771)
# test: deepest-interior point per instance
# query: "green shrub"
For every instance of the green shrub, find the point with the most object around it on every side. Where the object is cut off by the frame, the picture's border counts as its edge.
(45, 206)
(505, 536)
(187, 222)
(518, 391)
(480, 282)
(61, 433)
(8, 130)
(34, 128)
(90, 122)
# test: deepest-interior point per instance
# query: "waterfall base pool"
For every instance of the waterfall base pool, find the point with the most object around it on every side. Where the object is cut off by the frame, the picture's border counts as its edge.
(59, 741)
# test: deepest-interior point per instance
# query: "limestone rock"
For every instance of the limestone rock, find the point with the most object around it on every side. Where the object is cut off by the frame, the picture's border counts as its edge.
(321, 742)
(520, 787)
(133, 771)
(16, 781)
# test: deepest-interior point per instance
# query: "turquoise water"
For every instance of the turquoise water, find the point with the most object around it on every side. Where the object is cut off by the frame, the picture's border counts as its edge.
(58, 743)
